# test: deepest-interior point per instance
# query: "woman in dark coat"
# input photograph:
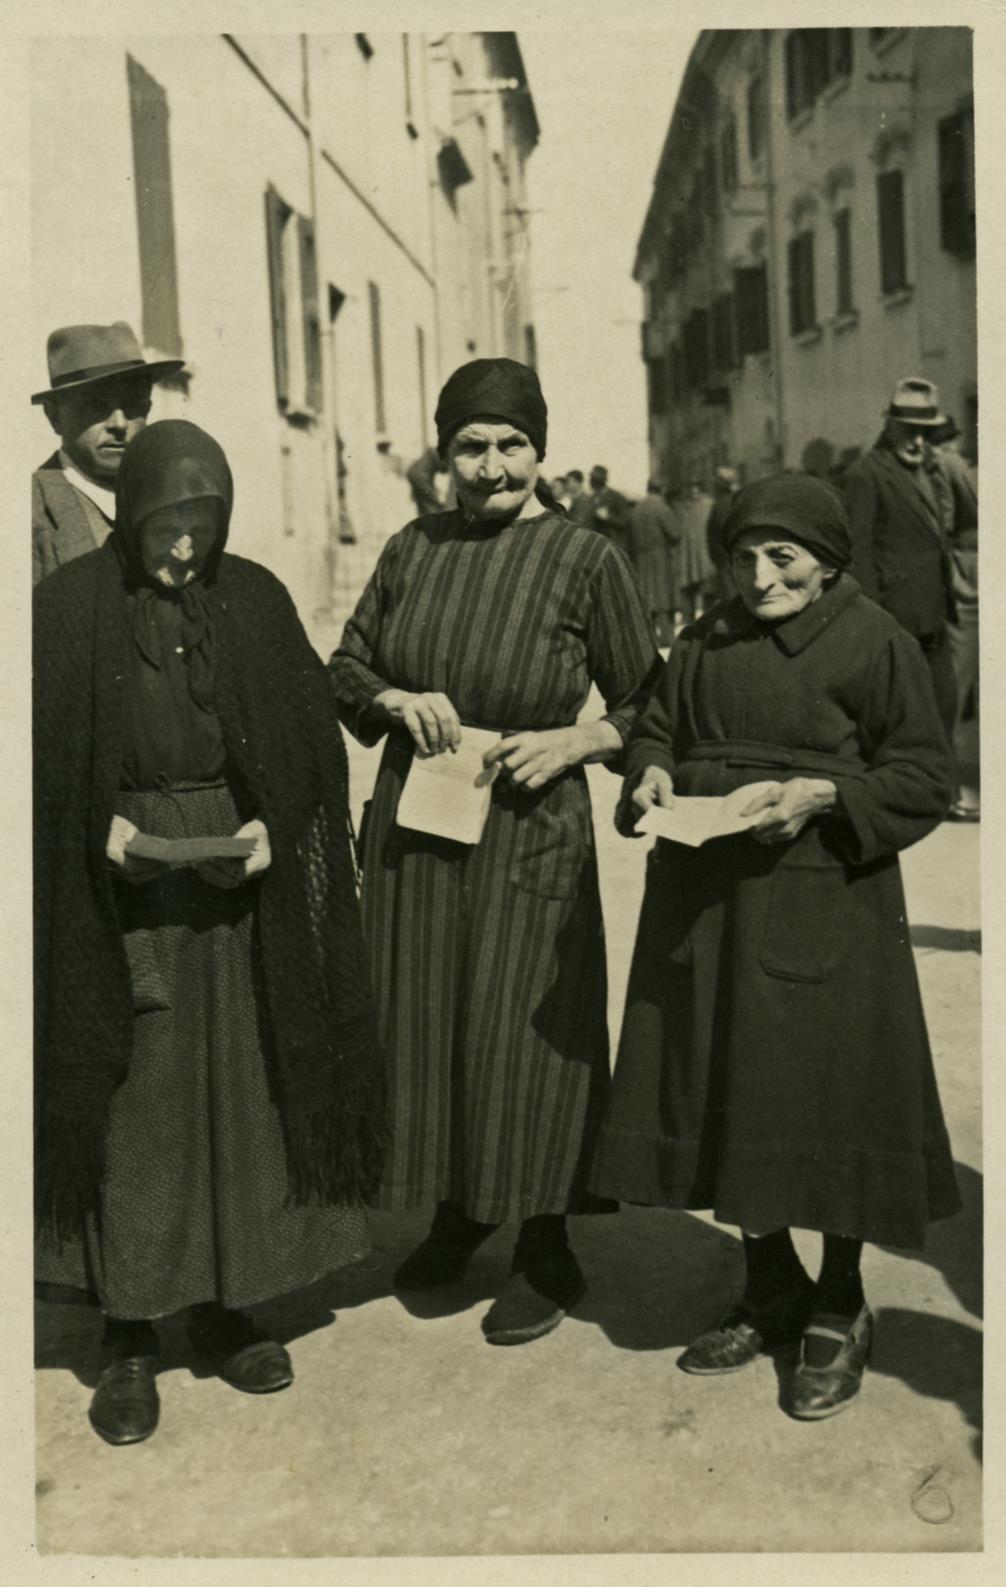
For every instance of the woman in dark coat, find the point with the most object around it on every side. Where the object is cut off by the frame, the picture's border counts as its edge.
(774, 1064)
(488, 960)
(209, 1103)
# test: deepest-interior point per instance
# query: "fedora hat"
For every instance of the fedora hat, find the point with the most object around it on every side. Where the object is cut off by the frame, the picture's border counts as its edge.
(916, 401)
(81, 355)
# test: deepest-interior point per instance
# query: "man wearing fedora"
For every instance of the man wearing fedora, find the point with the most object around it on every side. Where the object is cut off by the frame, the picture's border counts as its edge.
(902, 509)
(98, 399)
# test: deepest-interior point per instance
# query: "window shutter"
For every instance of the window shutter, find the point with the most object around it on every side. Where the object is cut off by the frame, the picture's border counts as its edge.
(377, 356)
(275, 215)
(891, 229)
(155, 219)
(802, 305)
(755, 113)
(843, 261)
(723, 332)
(957, 203)
(751, 308)
(311, 311)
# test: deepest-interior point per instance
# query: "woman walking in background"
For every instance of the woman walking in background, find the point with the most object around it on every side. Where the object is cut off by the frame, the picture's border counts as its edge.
(209, 1105)
(488, 959)
(774, 1064)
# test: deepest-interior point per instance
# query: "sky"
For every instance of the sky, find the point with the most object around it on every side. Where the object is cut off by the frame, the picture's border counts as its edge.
(604, 109)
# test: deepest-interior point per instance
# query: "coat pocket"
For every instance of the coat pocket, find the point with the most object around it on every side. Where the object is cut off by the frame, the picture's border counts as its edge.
(806, 925)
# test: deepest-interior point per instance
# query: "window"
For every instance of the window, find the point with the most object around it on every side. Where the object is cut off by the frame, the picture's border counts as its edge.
(843, 261)
(728, 155)
(756, 118)
(751, 309)
(696, 348)
(802, 305)
(891, 231)
(296, 320)
(155, 220)
(723, 332)
(955, 135)
(815, 57)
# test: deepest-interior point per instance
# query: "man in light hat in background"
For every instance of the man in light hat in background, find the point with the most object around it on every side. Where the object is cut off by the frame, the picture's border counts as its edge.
(726, 484)
(900, 504)
(98, 399)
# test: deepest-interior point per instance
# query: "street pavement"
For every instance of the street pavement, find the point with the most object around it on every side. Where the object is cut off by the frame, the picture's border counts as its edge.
(405, 1433)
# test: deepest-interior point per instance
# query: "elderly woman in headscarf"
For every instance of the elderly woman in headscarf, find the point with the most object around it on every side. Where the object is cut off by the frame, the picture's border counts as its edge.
(774, 1065)
(209, 1098)
(488, 959)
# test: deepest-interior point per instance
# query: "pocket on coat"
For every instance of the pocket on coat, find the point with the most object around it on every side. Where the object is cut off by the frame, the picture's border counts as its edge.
(552, 848)
(806, 923)
(149, 983)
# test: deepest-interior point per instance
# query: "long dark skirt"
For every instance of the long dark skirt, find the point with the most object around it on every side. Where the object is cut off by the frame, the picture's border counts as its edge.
(194, 1203)
(774, 1064)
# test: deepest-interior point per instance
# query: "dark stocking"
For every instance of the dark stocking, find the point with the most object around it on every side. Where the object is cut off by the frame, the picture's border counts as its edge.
(128, 1337)
(773, 1266)
(838, 1296)
(544, 1234)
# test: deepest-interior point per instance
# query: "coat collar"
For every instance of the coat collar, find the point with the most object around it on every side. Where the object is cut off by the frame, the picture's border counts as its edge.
(900, 477)
(798, 632)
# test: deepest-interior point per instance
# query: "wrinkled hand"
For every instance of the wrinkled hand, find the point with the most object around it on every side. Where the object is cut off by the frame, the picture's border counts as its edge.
(231, 873)
(533, 759)
(655, 787)
(788, 806)
(430, 718)
(126, 865)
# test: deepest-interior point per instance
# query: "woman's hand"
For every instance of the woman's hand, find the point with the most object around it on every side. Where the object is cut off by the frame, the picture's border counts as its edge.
(430, 718)
(788, 806)
(654, 787)
(130, 868)
(533, 759)
(232, 872)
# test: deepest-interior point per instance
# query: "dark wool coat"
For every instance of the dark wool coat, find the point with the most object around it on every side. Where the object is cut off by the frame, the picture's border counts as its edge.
(653, 536)
(900, 554)
(774, 1064)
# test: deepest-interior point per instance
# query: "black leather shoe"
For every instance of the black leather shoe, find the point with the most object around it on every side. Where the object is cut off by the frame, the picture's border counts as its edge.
(817, 1392)
(240, 1353)
(126, 1408)
(535, 1298)
(747, 1332)
(444, 1255)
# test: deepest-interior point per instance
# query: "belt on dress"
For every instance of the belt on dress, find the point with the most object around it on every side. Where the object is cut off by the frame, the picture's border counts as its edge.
(778, 757)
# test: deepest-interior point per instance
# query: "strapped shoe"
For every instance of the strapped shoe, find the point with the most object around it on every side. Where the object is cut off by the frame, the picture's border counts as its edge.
(539, 1292)
(240, 1353)
(817, 1392)
(748, 1331)
(126, 1408)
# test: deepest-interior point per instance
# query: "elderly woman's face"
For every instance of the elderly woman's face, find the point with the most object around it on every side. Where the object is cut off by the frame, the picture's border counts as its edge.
(494, 468)
(776, 577)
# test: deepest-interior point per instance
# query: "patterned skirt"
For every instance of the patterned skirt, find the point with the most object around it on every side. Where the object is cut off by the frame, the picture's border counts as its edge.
(194, 1203)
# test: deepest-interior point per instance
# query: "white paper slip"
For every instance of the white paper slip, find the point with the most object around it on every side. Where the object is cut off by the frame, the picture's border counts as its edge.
(695, 821)
(448, 795)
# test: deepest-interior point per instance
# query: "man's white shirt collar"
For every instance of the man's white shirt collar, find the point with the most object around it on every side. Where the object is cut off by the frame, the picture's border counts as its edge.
(103, 496)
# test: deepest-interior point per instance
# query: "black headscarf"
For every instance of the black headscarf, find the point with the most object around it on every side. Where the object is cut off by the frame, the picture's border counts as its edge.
(802, 506)
(166, 465)
(493, 388)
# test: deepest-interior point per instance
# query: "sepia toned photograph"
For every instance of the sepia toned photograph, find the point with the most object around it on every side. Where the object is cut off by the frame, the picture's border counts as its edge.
(507, 792)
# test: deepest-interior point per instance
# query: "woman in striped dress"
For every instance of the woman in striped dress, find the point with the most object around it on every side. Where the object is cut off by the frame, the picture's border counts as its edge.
(489, 959)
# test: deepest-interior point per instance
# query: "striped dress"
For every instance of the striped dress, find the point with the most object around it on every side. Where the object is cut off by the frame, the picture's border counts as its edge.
(488, 961)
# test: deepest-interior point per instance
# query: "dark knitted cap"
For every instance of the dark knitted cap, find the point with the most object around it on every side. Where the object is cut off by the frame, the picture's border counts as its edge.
(803, 507)
(493, 388)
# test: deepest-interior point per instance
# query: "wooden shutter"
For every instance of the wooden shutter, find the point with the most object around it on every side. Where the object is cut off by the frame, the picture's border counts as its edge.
(755, 117)
(377, 356)
(276, 213)
(723, 332)
(751, 309)
(843, 261)
(155, 219)
(956, 179)
(311, 313)
(891, 231)
(802, 305)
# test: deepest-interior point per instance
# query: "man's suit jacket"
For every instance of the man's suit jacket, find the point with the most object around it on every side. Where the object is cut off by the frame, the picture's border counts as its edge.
(900, 552)
(64, 523)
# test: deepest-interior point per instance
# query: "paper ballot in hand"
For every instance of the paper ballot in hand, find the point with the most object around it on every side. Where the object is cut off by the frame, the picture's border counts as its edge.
(695, 821)
(448, 795)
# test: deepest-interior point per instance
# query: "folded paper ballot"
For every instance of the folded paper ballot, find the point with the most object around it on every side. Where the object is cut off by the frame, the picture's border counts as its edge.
(188, 851)
(695, 821)
(448, 795)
